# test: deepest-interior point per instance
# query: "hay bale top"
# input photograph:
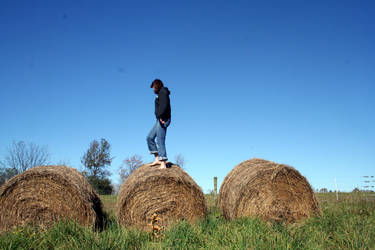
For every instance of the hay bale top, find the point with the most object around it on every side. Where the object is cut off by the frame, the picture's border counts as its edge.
(266, 189)
(169, 193)
(44, 194)
(145, 173)
(61, 174)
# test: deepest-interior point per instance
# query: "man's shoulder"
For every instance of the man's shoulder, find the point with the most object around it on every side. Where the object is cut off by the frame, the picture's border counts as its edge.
(164, 91)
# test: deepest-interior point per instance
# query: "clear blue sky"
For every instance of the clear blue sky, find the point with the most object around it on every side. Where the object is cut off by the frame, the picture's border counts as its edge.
(288, 81)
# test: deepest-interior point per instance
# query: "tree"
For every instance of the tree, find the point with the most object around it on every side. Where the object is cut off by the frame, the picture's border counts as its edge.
(22, 156)
(129, 165)
(180, 160)
(356, 190)
(6, 174)
(102, 185)
(64, 163)
(95, 160)
(97, 157)
(323, 190)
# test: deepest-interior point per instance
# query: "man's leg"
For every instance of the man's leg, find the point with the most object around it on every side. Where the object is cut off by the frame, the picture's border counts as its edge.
(161, 133)
(151, 144)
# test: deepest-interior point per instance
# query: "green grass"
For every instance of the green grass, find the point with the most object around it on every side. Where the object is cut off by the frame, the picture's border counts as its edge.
(344, 224)
(109, 203)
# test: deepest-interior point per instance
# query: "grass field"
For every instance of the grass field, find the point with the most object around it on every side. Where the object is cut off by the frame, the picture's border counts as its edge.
(348, 223)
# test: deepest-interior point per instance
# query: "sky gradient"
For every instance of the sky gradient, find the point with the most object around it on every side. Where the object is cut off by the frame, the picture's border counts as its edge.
(287, 81)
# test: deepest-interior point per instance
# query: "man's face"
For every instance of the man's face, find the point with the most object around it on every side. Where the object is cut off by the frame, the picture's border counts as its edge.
(155, 89)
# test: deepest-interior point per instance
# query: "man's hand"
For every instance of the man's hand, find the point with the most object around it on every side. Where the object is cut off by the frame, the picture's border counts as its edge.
(162, 122)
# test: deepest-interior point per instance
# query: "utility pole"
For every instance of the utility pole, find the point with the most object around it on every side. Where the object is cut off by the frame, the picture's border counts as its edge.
(337, 194)
(215, 185)
(215, 190)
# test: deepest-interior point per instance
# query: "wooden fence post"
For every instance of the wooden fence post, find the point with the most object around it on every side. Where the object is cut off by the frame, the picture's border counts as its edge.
(215, 185)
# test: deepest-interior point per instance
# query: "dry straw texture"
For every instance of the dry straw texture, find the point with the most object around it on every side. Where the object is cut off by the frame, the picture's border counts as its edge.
(45, 194)
(168, 194)
(265, 189)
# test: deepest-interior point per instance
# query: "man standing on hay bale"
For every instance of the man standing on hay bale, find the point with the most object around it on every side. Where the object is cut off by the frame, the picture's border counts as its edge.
(163, 119)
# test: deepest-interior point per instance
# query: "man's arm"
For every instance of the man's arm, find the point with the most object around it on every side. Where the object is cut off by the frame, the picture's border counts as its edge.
(163, 103)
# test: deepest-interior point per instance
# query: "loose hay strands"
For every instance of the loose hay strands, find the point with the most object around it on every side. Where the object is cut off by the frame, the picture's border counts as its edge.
(265, 189)
(168, 194)
(45, 194)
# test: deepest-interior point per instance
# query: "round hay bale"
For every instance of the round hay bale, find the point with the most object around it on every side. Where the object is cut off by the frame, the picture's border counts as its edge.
(45, 194)
(152, 198)
(265, 189)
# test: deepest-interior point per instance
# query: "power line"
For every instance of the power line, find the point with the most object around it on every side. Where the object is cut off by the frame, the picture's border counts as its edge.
(368, 180)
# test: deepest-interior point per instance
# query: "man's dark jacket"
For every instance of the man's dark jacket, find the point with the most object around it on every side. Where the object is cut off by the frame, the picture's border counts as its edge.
(163, 104)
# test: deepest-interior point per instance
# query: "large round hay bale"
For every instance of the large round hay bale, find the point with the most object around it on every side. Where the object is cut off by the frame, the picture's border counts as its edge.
(45, 194)
(154, 198)
(265, 189)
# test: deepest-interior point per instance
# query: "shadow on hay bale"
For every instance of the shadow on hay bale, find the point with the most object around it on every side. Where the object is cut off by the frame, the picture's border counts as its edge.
(265, 189)
(166, 194)
(45, 194)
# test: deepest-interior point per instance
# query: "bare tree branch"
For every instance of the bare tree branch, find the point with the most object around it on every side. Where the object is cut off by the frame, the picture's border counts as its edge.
(22, 156)
(180, 160)
(129, 165)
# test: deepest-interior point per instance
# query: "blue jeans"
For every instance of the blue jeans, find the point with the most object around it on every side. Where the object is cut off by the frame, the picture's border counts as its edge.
(158, 131)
